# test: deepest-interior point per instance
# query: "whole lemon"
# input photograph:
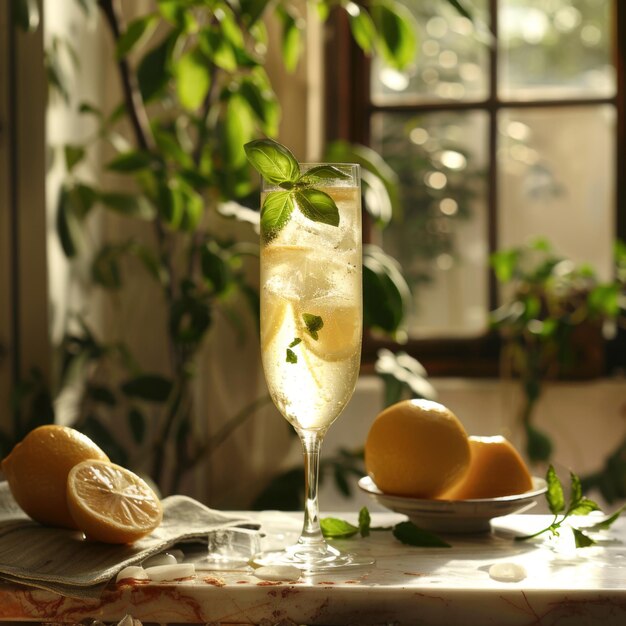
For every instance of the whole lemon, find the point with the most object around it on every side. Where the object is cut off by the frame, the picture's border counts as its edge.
(416, 448)
(496, 469)
(37, 469)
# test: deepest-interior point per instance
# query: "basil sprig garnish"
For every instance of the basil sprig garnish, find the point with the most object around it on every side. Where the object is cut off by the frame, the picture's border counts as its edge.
(278, 166)
(578, 505)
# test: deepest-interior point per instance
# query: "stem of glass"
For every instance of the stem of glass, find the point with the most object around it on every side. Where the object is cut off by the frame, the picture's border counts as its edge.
(311, 536)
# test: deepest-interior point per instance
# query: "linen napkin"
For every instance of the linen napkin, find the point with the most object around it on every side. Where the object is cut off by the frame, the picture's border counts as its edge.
(65, 562)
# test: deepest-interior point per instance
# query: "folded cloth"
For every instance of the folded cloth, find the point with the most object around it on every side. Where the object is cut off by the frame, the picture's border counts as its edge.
(65, 562)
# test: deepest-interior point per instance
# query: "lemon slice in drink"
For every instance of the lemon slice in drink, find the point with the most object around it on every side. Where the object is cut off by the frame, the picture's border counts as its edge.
(273, 314)
(339, 337)
(110, 503)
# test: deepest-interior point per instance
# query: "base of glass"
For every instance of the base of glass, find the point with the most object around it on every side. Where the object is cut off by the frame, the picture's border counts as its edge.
(313, 559)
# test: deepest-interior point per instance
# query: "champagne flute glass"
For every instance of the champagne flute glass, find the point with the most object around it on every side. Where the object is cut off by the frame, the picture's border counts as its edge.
(311, 328)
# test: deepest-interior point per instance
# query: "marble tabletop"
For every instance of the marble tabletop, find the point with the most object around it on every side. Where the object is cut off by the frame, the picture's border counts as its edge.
(407, 585)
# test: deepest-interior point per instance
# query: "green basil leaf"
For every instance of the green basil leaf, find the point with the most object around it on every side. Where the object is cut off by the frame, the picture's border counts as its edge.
(313, 324)
(608, 522)
(291, 357)
(365, 520)
(272, 160)
(409, 533)
(317, 205)
(323, 173)
(583, 507)
(576, 488)
(275, 213)
(295, 342)
(582, 540)
(334, 528)
(554, 495)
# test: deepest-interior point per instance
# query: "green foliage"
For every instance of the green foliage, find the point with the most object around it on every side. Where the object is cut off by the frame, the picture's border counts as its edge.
(195, 92)
(563, 510)
(552, 307)
(405, 532)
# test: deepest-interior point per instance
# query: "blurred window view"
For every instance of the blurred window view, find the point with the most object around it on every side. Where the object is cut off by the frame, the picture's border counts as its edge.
(503, 130)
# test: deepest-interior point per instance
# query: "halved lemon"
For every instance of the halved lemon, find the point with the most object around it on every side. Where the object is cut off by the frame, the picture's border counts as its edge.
(110, 503)
(339, 337)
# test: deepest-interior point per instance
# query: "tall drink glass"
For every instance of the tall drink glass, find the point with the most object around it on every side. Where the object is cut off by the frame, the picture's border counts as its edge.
(311, 328)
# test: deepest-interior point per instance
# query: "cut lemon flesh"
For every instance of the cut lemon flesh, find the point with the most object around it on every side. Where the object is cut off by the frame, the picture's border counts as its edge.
(110, 503)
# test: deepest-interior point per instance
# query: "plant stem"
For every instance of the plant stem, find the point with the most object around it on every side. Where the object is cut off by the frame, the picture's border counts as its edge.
(132, 96)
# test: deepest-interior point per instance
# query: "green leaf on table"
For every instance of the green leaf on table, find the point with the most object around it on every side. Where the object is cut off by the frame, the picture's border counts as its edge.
(275, 213)
(576, 490)
(365, 520)
(139, 29)
(272, 160)
(412, 535)
(581, 539)
(608, 522)
(584, 506)
(192, 79)
(554, 495)
(335, 528)
(317, 205)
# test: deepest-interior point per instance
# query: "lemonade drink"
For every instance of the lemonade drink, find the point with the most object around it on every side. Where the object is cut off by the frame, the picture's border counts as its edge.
(311, 311)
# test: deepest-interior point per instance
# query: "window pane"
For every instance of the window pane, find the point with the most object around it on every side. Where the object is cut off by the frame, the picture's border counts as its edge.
(451, 62)
(441, 238)
(555, 49)
(556, 180)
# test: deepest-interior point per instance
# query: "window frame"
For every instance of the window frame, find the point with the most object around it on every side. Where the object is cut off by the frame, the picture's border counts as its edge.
(349, 110)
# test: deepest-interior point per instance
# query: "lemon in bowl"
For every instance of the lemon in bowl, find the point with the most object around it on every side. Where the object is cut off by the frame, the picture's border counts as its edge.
(496, 469)
(416, 448)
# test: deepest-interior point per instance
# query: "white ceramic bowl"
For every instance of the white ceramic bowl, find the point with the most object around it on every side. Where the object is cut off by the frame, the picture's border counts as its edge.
(455, 516)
